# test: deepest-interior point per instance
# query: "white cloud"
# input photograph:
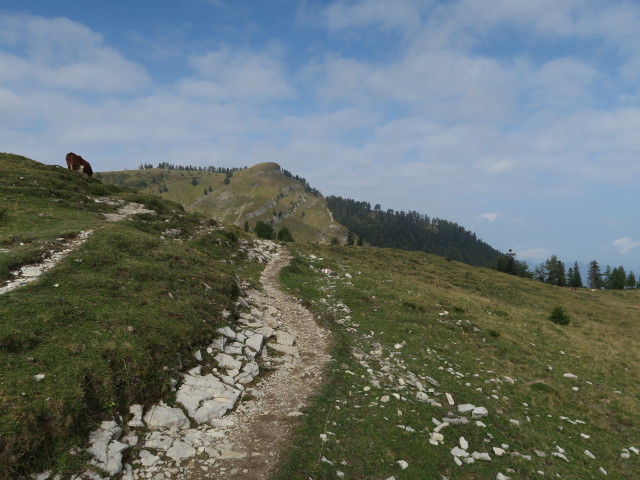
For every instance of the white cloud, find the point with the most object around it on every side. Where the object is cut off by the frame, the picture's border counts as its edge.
(400, 15)
(625, 245)
(62, 54)
(487, 217)
(239, 75)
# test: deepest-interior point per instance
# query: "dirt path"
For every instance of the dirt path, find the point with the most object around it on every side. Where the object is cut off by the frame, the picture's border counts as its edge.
(262, 425)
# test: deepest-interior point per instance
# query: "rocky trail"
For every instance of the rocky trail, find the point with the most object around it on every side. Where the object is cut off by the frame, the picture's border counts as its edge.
(30, 273)
(232, 413)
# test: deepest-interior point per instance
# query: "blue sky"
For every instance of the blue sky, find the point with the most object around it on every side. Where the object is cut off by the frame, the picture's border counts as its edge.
(517, 120)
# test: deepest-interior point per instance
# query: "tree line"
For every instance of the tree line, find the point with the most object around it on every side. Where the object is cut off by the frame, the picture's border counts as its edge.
(553, 271)
(303, 181)
(411, 231)
(191, 168)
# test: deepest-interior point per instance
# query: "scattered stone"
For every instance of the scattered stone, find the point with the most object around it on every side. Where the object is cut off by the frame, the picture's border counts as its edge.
(163, 416)
(481, 456)
(466, 407)
(180, 450)
(479, 412)
(403, 464)
(136, 421)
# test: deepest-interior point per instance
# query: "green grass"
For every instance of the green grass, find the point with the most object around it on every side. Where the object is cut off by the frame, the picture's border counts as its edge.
(260, 192)
(112, 322)
(497, 325)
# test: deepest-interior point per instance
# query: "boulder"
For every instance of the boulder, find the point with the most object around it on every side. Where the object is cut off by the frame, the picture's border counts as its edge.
(254, 342)
(206, 397)
(158, 441)
(136, 421)
(181, 450)
(479, 412)
(227, 361)
(163, 416)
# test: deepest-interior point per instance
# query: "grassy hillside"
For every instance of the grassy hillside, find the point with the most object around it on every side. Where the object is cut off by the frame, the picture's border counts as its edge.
(404, 317)
(113, 322)
(261, 192)
(415, 337)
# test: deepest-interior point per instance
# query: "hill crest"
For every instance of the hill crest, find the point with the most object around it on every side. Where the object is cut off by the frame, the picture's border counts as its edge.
(264, 192)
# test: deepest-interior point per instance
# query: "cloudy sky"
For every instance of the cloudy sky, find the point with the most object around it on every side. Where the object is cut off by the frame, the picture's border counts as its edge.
(519, 120)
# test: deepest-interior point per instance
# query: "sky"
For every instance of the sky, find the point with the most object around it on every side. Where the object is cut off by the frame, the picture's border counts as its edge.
(519, 120)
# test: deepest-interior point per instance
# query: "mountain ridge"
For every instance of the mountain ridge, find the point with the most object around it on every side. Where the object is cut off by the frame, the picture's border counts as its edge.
(264, 192)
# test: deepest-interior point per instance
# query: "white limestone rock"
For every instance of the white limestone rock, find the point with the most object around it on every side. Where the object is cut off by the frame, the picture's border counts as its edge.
(227, 361)
(466, 407)
(181, 450)
(481, 456)
(147, 459)
(106, 449)
(206, 397)
(234, 348)
(421, 396)
(158, 441)
(255, 341)
(459, 452)
(227, 332)
(163, 416)
(218, 343)
(136, 421)
(498, 451)
(479, 412)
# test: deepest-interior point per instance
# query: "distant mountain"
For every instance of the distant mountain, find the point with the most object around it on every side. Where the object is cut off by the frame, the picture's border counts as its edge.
(412, 231)
(264, 192)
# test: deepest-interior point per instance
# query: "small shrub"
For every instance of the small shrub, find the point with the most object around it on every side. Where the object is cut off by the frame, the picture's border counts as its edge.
(4, 215)
(559, 316)
(264, 230)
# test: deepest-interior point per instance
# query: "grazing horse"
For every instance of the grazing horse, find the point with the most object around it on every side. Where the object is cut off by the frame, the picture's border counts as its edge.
(76, 162)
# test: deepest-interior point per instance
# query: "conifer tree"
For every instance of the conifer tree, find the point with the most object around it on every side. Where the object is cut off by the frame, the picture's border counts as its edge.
(555, 273)
(618, 278)
(350, 239)
(575, 279)
(631, 280)
(595, 276)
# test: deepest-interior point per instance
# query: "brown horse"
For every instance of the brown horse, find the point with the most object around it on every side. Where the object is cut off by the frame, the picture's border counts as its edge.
(76, 162)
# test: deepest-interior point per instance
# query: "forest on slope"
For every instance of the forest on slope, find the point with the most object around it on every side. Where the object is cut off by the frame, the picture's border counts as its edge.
(412, 231)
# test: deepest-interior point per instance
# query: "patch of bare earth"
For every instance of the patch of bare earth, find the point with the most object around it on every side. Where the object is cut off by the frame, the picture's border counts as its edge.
(263, 425)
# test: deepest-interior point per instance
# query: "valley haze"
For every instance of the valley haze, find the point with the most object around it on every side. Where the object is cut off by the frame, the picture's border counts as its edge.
(517, 120)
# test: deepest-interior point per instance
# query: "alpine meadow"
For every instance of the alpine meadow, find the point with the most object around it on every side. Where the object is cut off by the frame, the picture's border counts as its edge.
(138, 339)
